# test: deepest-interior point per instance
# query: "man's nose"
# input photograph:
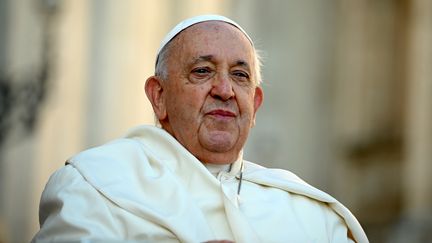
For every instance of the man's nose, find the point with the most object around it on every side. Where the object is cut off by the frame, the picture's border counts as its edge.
(222, 87)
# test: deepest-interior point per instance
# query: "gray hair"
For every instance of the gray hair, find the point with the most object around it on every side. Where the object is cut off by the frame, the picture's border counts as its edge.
(161, 69)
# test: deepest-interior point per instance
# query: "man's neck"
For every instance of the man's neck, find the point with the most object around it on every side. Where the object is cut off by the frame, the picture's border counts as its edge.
(215, 169)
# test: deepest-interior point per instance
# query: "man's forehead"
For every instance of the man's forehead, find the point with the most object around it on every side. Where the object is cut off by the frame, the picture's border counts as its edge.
(195, 20)
(211, 30)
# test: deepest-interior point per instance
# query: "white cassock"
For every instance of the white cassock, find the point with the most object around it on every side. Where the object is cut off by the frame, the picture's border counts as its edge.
(147, 187)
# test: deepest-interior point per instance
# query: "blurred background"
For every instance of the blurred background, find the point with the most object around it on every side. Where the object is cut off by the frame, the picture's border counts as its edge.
(348, 96)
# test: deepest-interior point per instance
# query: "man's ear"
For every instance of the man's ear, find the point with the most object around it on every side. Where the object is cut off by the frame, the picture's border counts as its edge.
(155, 93)
(258, 100)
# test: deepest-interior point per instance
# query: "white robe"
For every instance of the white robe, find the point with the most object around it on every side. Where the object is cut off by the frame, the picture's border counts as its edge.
(147, 187)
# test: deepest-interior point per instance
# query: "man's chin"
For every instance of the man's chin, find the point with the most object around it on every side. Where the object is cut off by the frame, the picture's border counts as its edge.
(218, 141)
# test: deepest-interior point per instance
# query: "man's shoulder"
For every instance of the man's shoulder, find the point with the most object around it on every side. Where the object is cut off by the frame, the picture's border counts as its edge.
(109, 162)
(122, 151)
(289, 182)
(277, 178)
(283, 179)
(115, 149)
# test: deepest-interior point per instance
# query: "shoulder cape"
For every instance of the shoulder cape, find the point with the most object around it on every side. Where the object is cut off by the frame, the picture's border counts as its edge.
(149, 151)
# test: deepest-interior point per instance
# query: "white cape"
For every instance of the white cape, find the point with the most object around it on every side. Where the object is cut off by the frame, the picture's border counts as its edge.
(149, 175)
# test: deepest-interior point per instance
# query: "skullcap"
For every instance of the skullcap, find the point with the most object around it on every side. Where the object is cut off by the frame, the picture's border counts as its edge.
(194, 20)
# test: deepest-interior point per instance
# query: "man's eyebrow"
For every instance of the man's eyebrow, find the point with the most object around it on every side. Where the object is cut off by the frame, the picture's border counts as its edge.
(243, 64)
(206, 58)
(209, 58)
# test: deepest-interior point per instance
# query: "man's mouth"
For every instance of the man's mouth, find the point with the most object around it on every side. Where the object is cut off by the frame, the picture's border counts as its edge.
(219, 113)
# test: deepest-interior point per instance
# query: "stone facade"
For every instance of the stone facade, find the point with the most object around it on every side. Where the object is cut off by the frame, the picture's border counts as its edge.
(348, 96)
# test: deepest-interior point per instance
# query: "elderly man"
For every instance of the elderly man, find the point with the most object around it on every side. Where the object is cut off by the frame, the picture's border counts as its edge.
(187, 181)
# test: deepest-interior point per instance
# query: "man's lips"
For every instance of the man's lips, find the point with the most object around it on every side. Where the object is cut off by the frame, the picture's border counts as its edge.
(221, 113)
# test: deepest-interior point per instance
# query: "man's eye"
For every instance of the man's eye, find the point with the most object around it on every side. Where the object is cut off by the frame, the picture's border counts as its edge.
(201, 74)
(241, 75)
(201, 70)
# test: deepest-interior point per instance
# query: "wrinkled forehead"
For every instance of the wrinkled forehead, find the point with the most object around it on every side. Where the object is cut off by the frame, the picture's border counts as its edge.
(210, 31)
(179, 28)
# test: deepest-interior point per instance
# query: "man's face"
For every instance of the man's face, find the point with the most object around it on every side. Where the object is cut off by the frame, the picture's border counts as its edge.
(210, 96)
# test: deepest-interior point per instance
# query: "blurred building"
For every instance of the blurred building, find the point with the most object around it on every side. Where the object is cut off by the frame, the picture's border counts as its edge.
(348, 96)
